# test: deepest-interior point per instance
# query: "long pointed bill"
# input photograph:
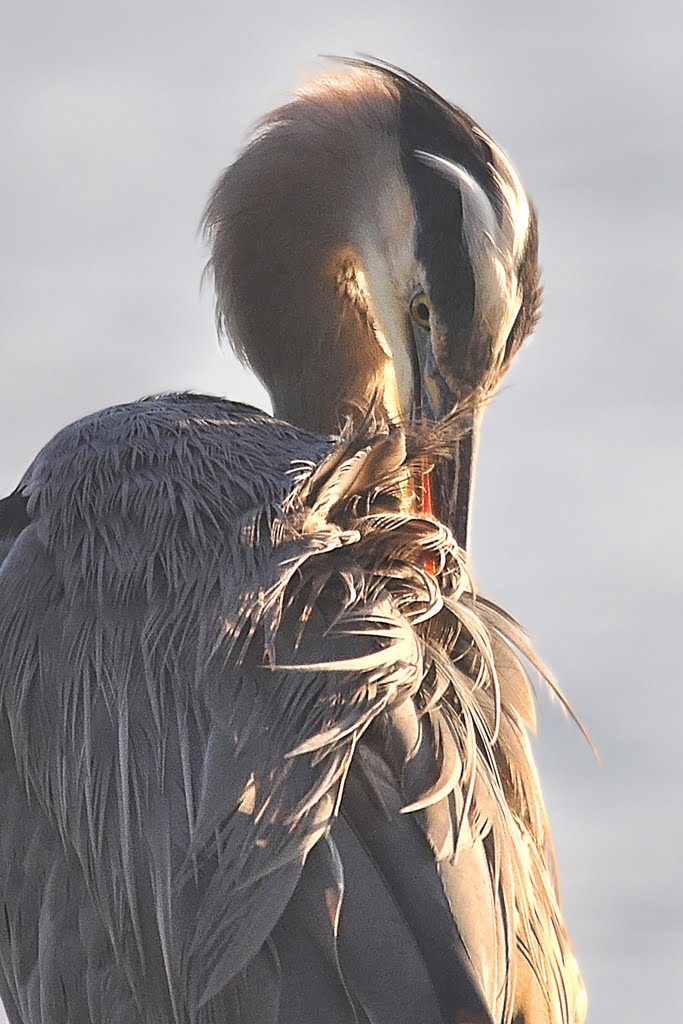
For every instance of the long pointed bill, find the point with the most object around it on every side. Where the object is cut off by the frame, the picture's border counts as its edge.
(448, 488)
(453, 483)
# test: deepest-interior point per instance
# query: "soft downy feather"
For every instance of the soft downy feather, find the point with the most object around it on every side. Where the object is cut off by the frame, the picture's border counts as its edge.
(444, 745)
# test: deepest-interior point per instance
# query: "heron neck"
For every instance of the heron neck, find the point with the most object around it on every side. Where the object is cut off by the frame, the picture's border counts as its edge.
(294, 225)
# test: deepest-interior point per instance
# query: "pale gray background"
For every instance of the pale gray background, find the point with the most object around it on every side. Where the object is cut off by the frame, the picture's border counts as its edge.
(116, 120)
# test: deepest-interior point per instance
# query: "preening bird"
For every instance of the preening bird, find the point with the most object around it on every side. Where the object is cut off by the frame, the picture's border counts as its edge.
(264, 753)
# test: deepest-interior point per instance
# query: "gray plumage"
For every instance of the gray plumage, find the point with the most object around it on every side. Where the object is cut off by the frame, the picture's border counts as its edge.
(264, 753)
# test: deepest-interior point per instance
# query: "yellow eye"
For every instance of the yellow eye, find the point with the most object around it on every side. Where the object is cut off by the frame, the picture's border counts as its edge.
(420, 309)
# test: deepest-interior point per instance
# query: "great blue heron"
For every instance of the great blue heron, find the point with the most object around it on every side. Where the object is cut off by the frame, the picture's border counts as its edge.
(264, 754)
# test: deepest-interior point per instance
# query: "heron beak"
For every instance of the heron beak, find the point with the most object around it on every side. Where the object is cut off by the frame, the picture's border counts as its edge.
(448, 488)
(453, 484)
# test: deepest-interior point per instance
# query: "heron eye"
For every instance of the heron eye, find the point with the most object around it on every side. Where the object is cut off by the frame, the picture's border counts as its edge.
(420, 309)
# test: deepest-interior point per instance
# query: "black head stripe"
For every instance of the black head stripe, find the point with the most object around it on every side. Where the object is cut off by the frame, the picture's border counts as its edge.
(429, 123)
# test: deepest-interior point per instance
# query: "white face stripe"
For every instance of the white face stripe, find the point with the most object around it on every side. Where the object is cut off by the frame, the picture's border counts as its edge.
(513, 194)
(491, 247)
(386, 242)
(480, 232)
(509, 236)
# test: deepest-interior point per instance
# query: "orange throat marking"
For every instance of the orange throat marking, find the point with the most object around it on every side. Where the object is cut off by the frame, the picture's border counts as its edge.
(425, 502)
(425, 490)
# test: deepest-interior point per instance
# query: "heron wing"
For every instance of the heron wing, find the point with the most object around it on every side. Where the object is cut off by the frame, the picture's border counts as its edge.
(142, 768)
(224, 679)
(163, 781)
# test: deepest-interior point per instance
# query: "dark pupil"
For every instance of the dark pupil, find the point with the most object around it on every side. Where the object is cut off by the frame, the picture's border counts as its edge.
(423, 311)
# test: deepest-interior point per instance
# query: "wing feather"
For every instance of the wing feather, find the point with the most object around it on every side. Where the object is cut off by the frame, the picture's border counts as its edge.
(265, 752)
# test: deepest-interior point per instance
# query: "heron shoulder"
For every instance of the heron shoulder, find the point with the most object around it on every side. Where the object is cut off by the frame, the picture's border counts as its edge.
(146, 494)
(191, 440)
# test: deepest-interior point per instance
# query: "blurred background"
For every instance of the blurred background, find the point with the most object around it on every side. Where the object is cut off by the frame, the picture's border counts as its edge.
(116, 119)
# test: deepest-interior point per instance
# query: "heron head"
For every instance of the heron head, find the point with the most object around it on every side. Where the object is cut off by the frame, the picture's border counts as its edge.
(372, 239)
